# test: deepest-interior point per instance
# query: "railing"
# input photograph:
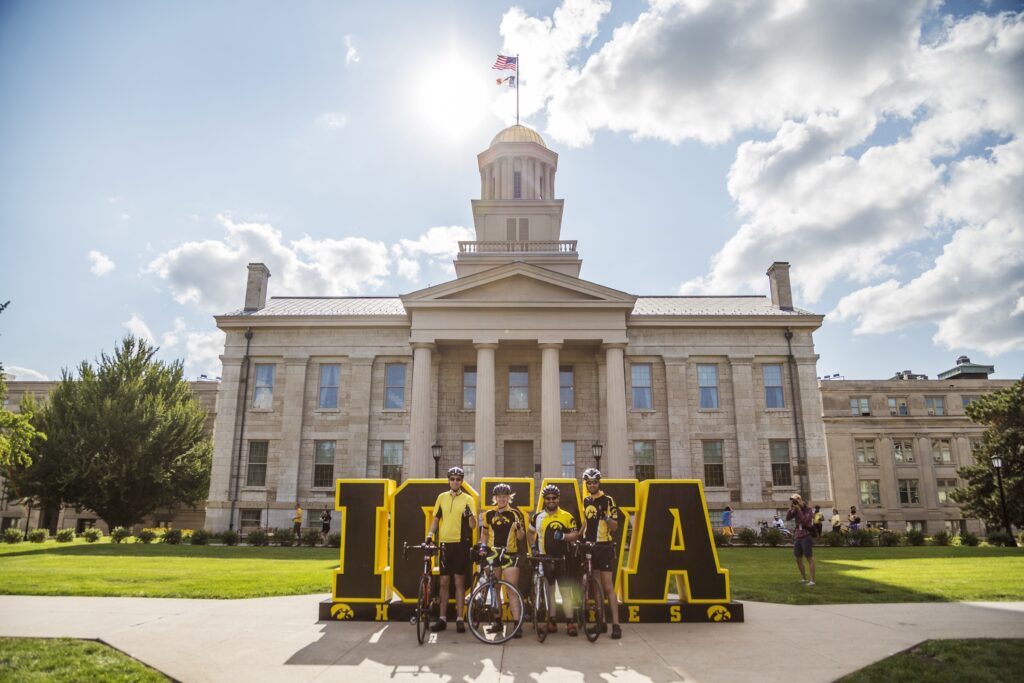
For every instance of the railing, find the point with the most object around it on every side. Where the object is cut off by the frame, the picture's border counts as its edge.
(534, 246)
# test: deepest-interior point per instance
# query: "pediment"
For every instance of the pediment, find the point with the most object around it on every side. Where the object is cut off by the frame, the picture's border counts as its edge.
(518, 284)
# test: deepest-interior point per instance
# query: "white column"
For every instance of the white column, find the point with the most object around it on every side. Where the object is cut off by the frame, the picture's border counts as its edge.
(550, 412)
(291, 428)
(680, 456)
(749, 453)
(486, 464)
(225, 446)
(359, 418)
(421, 464)
(616, 453)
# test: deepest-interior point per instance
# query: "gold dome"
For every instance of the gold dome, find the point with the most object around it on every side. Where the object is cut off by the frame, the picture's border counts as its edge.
(518, 133)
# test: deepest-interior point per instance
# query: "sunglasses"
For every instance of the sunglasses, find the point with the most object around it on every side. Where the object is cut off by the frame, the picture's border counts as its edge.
(454, 478)
(550, 497)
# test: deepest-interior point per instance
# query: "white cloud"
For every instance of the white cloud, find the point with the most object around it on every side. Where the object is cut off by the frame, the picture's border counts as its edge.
(332, 120)
(211, 274)
(171, 338)
(101, 264)
(409, 269)
(16, 372)
(203, 350)
(351, 54)
(137, 327)
(437, 247)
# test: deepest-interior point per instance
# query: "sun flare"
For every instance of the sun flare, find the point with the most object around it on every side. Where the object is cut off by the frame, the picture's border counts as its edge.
(453, 97)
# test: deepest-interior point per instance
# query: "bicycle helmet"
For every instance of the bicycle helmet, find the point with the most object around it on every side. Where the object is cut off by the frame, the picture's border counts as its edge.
(592, 474)
(550, 489)
(502, 490)
(456, 472)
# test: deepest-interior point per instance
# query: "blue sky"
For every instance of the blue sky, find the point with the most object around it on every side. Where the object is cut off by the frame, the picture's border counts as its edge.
(151, 150)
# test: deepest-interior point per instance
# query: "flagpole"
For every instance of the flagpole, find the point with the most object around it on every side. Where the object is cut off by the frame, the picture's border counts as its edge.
(517, 88)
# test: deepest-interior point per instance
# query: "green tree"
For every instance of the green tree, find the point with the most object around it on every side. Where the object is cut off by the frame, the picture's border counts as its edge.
(16, 430)
(1003, 412)
(125, 438)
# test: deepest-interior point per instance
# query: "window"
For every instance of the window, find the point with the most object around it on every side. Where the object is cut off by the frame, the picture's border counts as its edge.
(569, 459)
(781, 471)
(643, 460)
(909, 492)
(773, 387)
(323, 464)
(716, 518)
(935, 405)
(517, 185)
(643, 398)
(860, 406)
(714, 467)
(954, 527)
(914, 525)
(263, 394)
(469, 460)
(864, 449)
(903, 450)
(469, 387)
(968, 400)
(518, 388)
(945, 488)
(330, 378)
(869, 494)
(256, 471)
(394, 387)
(707, 380)
(540, 188)
(391, 460)
(898, 407)
(941, 451)
(566, 387)
(975, 444)
(523, 233)
(250, 519)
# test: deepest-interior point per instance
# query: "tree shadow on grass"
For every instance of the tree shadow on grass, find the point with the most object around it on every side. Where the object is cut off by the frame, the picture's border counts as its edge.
(207, 552)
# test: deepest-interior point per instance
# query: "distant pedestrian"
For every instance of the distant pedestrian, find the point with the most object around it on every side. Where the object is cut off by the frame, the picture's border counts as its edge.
(727, 524)
(803, 544)
(837, 521)
(297, 521)
(325, 525)
(853, 519)
(819, 521)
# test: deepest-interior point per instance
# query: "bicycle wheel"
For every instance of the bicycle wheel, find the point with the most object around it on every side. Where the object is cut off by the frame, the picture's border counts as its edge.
(540, 608)
(422, 615)
(511, 605)
(485, 613)
(591, 613)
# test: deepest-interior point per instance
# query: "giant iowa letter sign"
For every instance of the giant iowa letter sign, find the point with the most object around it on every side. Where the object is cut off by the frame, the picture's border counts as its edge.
(668, 564)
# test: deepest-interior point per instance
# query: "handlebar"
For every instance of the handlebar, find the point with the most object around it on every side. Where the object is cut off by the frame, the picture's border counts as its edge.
(427, 548)
(545, 558)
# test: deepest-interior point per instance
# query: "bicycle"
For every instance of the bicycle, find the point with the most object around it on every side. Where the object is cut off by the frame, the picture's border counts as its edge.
(539, 594)
(425, 599)
(590, 615)
(487, 608)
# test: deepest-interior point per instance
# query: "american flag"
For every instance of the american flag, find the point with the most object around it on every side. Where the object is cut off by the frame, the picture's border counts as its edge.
(504, 62)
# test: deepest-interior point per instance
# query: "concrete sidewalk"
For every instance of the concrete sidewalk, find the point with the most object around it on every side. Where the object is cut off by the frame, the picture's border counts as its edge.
(279, 639)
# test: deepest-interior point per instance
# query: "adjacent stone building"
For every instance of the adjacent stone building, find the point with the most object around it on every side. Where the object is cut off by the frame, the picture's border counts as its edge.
(895, 445)
(517, 367)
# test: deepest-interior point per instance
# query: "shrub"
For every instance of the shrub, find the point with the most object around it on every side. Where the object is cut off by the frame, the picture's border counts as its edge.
(859, 537)
(994, 538)
(92, 534)
(172, 537)
(200, 537)
(334, 540)
(229, 537)
(155, 532)
(720, 539)
(283, 537)
(147, 535)
(915, 537)
(38, 535)
(772, 537)
(834, 539)
(65, 535)
(310, 537)
(257, 537)
(970, 538)
(941, 538)
(888, 539)
(13, 535)
(119, 533)
(746, 536)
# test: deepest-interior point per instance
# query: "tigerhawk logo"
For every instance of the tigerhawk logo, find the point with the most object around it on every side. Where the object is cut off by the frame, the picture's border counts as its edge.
(341, 612)
(591, 512)
(719, 613)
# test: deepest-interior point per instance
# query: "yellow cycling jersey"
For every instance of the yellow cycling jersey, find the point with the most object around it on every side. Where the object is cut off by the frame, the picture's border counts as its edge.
(547, 523)
(452, 523)
(500, 525)
(595, 508)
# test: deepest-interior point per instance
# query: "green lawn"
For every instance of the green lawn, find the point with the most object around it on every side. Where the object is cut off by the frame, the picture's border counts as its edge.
(64, 659)
(904, 574)
(948, 661)
(163, 571)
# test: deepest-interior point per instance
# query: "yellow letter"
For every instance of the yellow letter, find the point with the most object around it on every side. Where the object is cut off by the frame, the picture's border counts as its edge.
(634, 614)
(675, 613)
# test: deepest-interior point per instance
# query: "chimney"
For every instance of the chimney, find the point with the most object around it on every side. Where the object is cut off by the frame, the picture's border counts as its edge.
(256, 287)
(782, 293)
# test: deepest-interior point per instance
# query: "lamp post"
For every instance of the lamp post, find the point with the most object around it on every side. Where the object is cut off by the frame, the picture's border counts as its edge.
(597, 449)
(997, 462)
(435, 451)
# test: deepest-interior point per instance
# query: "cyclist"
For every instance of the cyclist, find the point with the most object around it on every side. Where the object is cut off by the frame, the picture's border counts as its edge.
(455, 515)
(504, 527)
(554, 528)
(600, 521)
